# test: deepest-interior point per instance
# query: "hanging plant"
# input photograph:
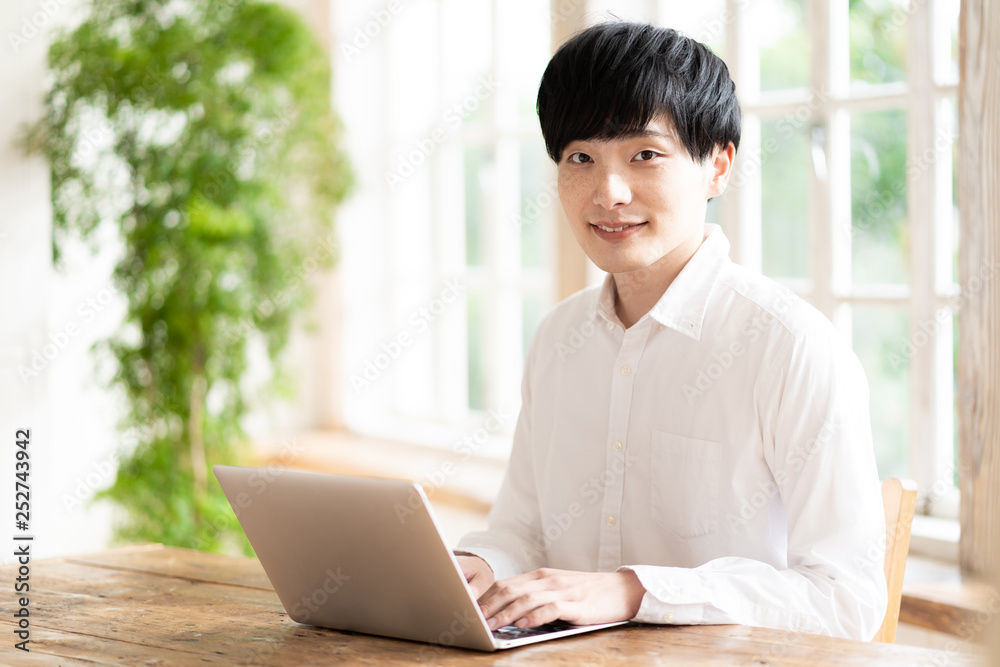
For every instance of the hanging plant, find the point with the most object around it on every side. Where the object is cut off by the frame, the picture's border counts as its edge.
(203, 131)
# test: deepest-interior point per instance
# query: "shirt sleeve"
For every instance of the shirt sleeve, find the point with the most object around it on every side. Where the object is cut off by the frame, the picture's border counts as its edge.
(816, 429)
(512, 545)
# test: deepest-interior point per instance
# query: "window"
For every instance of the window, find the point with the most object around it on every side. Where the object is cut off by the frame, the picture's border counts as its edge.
(845, 193)
(842, 190)
(449, 243)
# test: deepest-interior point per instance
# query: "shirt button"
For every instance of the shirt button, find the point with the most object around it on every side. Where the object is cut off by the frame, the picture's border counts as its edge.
(668, 617)
(662, 327)
(626, 370)
(611, 521)
(617, 445)
(611, 325)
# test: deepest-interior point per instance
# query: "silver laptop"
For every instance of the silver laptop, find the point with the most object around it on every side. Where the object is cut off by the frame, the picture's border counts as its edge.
(363, 554)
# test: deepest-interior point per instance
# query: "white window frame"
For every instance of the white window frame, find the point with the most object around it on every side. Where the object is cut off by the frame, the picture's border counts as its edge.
(443, 384)
(931, 298)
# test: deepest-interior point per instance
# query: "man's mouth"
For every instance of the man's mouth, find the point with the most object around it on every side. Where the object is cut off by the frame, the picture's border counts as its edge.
(616, 228)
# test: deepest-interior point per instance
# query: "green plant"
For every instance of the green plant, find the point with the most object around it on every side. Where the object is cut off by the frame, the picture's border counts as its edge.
(203, 130)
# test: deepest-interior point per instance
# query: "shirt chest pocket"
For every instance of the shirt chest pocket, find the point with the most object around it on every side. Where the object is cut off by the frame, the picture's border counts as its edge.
(684, 489)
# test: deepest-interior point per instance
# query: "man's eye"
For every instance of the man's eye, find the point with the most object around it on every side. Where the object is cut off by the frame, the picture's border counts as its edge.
(645, 155)
(579, 158)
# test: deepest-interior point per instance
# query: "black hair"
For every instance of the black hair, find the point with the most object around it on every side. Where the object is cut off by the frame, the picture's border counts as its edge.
(611, 80)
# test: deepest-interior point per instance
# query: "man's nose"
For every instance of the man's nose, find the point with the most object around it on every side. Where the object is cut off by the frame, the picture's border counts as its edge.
(611, 190)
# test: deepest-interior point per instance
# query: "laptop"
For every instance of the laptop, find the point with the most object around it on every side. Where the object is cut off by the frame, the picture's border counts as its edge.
(363, 554)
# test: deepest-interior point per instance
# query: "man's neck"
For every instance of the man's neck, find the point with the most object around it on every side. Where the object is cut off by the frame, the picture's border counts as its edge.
(636, 292)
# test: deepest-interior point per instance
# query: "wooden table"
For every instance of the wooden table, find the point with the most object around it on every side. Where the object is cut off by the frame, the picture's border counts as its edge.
(155, 605)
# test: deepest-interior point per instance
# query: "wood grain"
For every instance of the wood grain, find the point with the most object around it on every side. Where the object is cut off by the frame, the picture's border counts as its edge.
(899, 498)
(166, 606)
(939, 597)
(979, 274)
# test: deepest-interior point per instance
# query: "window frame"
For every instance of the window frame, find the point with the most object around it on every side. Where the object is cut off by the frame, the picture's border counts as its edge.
(929, 295)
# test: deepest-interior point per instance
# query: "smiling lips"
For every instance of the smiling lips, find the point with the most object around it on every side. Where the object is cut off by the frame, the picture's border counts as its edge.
(615, 230)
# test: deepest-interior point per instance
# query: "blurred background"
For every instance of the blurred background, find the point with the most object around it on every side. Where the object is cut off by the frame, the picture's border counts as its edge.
(449, 248)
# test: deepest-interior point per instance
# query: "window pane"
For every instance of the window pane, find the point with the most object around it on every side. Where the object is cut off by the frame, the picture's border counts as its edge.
(946, 13)
(956, 221)
(477, 361)
(539, 197)
(878, 197)
(478, 161)
(525, 48)
(784, 44)
(878, 41)
(704, 21)
(943, 160)
(880, 341)
(466, 52)
(714, 213)
(955, 416)
(784, 197)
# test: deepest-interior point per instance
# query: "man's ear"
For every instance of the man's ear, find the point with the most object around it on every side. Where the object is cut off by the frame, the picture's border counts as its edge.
(722, 165)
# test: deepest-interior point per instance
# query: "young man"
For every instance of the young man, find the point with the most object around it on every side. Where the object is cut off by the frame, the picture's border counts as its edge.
(694, 443)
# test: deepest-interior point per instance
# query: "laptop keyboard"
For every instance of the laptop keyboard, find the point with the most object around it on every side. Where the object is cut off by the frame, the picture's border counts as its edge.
(514, 632)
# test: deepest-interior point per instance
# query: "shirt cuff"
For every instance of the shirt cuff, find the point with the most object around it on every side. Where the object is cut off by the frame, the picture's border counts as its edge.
(503, 566)
(673, 595)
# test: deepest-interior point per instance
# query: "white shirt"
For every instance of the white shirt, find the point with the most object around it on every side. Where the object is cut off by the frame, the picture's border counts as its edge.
(720, 448)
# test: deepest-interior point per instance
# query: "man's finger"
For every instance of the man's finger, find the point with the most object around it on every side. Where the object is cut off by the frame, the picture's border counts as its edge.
(511, 601)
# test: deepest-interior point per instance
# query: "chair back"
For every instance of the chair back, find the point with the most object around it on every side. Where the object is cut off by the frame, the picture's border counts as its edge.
(899, 500)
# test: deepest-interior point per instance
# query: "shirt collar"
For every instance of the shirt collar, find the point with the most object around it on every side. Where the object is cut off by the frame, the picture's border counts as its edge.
(682, 306)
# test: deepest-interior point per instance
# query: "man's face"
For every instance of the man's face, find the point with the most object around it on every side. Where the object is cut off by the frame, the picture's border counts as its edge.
(633, 201)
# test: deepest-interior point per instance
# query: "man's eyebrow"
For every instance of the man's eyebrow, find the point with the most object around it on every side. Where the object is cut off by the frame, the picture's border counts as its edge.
(633, 134)
(646, 132)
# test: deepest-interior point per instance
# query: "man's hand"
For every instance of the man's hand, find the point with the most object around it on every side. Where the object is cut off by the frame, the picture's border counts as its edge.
(582, 598)
(478, 573)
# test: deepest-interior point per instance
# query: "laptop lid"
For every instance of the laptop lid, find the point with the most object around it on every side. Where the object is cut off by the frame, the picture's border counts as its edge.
(355, 553)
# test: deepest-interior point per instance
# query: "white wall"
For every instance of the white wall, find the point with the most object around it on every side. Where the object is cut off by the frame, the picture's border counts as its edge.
(45, 318)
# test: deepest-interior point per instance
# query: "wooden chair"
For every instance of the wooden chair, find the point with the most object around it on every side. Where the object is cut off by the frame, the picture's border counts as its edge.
(899, 499)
